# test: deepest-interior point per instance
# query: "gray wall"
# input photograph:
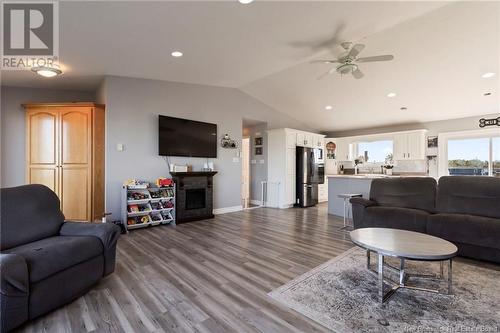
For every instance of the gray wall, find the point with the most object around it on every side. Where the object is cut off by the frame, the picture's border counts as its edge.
(433, 127)
(132, 109)
(258, 163)
(13, 132)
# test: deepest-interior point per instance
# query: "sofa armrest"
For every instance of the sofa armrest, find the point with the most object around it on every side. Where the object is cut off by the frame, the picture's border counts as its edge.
(359, 206)
(362, 201)
(14, 291)
(108, 233)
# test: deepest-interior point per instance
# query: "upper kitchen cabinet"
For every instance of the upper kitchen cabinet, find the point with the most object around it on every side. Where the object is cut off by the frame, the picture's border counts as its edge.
(409, 145)
(344, 149)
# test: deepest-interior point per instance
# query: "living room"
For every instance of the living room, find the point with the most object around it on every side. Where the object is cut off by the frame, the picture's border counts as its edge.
(394, 115)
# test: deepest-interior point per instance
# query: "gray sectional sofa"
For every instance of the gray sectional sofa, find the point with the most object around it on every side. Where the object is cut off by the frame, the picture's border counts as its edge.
(46, 262)
(462, 209)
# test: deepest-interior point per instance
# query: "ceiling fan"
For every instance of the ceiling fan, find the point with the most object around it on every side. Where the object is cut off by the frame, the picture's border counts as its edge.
(348, 62)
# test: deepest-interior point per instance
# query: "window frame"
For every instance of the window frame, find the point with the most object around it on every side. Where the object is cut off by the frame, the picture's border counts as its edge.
(443, 139)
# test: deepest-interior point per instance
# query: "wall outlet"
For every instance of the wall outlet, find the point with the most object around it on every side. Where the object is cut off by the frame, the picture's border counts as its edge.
(236, 159)
(253, 162)
(120, 147)
(261, 161)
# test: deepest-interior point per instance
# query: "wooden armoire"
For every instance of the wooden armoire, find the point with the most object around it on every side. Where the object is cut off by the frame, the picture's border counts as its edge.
(65, 151)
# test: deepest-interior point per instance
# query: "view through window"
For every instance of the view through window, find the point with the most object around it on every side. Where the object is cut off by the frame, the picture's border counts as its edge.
(472, 156)
(376, 151)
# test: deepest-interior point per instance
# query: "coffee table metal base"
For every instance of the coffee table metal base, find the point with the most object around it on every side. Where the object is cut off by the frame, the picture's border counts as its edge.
(404, 276)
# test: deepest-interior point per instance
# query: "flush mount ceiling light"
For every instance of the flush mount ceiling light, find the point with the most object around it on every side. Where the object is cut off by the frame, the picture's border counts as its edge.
(488, 75)
(245, 2)
(391, 94)
(328, 107)
(46, 71)
(177, 54)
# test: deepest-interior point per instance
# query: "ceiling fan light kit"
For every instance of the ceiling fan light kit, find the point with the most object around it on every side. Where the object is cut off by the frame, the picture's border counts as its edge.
(348, 61)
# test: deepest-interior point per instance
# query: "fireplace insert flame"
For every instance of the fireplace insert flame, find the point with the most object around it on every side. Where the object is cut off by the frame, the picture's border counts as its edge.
(195, 198)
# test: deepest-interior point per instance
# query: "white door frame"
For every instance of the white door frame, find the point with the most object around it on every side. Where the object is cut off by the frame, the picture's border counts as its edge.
(245, 169)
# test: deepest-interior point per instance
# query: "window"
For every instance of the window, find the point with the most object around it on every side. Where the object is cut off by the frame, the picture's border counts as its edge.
(495, 145)
(375, 151)
(471, 153)
(468, 157)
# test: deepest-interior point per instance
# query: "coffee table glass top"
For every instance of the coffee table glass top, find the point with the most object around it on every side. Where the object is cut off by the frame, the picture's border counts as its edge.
(403, 243)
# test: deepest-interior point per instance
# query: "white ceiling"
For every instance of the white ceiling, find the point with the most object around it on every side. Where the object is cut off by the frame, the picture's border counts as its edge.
(264, 48)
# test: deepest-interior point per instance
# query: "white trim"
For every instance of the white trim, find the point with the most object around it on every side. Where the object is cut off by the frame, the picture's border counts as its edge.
(225, 210)
(256, 202)
(443, 144)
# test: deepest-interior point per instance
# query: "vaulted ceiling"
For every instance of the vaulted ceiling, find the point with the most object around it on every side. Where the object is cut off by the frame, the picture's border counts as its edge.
(441, 50)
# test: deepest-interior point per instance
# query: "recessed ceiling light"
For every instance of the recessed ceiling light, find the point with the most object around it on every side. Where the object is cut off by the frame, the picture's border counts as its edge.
(391, 94)
(487, 94)
(46, 71)
(177, 54)
(403, 108)
(328, 107)
(488, 75)
(245, 2)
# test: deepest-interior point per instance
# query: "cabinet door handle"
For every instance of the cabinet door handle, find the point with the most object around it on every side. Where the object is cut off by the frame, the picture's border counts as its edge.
(408, 155)
(404, 155)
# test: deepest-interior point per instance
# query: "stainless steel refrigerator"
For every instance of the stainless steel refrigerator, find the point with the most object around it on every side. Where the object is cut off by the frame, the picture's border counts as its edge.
(310, 171)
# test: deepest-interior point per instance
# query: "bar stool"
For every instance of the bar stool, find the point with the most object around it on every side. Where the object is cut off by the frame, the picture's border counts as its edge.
(348, 207)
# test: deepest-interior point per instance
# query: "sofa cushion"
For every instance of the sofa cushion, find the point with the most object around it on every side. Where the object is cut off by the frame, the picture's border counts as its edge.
(466, 229)
(396, 218)
(28, 213)
(472, 195)
(54, 254)
(407, 192)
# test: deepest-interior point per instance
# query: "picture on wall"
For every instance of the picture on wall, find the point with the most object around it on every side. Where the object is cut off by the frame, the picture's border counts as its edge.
(432, 142)
(258, 141)
(258, 150)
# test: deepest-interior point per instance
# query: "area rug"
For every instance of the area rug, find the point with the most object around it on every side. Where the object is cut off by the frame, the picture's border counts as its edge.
(342, 296)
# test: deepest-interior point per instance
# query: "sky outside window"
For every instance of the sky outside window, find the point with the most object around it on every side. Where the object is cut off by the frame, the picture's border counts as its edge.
(377, 150)
(469, 149)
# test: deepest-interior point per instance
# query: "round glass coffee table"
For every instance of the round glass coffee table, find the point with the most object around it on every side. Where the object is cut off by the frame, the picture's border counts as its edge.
(405, 245)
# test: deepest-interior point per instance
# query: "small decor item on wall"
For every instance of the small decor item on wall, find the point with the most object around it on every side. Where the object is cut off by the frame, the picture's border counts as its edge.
(330, 150)
(432, 142)
(258, 150)
(258, 141)
(227, 142)
(483, 122)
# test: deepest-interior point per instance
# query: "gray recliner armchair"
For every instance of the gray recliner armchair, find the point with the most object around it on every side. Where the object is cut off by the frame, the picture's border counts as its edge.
(46, 262)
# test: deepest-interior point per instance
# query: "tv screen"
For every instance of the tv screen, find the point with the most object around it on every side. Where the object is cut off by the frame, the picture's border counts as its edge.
(183, 137)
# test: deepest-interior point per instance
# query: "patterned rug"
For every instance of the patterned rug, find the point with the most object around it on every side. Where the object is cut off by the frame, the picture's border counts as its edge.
(342, 295)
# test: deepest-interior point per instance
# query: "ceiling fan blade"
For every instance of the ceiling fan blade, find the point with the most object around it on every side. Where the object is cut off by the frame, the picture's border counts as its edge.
(355, 50)
(324, 61)
(357, 74)
(386, 57)
(331, 71)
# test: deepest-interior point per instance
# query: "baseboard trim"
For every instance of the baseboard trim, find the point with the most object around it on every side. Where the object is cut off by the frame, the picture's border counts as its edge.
(255, 202)
(225, 210)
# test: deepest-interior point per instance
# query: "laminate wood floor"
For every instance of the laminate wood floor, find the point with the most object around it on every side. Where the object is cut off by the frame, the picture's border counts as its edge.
(207, 276)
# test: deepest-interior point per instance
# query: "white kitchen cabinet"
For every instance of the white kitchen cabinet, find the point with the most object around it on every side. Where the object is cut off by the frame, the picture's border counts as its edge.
(301, 139)
(409, 145)
(323, 191)
(344, 151)
(291, 138)
(309, 140)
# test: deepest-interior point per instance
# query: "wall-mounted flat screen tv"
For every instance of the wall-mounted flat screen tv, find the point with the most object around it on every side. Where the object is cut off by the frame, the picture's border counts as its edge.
(183, 137)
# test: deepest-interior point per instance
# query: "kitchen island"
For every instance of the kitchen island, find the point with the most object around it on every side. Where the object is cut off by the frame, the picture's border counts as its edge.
(353, 184)
(341, 184)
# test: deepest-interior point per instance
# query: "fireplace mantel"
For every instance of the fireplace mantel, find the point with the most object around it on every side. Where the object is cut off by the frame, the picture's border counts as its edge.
(189, 205)
(194, 173)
